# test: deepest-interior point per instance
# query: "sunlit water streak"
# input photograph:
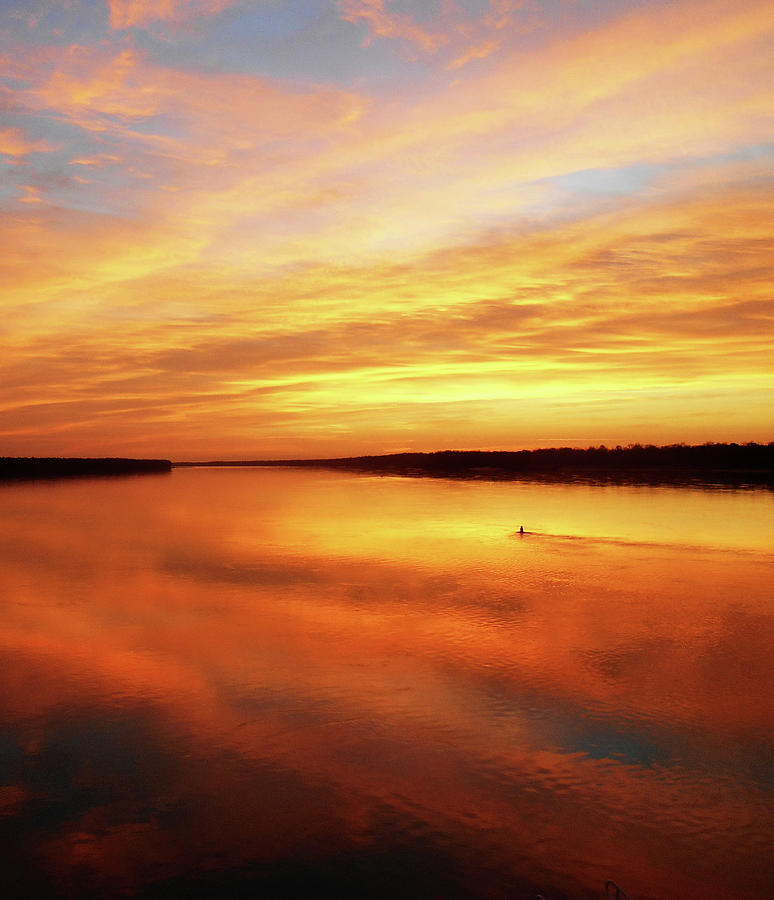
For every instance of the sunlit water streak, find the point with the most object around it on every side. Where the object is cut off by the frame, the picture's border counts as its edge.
(257, 682)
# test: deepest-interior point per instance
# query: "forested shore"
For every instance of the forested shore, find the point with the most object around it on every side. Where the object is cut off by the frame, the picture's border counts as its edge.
(13, 468)
(723, 463)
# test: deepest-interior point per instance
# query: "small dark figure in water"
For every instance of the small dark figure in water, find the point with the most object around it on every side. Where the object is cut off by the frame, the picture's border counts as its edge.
(521, 530)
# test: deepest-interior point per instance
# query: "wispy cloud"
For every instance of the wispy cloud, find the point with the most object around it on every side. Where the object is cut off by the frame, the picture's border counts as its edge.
(476, 51)
(462, 36)
(383, 22)
(138, 13)
(588, 218)
(660, 302)
(16, 144)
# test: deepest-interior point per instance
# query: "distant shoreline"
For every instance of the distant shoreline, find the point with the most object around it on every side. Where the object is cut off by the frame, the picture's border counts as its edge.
(720, 464)
(726, 464)
(21, 468)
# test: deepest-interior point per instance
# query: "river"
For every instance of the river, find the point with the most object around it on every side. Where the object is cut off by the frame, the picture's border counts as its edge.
(270, 682)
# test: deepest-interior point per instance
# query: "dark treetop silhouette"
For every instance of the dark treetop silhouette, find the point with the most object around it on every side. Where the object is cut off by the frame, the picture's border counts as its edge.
(711, 462)
(63, 467)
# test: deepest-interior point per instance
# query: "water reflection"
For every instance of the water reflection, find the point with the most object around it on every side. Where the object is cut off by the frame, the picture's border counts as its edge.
(230, 682)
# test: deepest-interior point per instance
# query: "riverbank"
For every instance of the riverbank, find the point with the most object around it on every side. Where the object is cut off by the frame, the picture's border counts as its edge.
(724, 464)
(33, 467)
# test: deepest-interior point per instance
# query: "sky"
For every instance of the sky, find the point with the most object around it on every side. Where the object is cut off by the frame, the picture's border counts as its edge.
(255, 228)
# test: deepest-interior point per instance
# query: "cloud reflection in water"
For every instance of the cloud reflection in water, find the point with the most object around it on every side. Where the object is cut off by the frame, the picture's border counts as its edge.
(241, 681)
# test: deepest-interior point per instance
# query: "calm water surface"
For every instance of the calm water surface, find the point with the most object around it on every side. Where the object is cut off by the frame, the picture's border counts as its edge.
(249, 682)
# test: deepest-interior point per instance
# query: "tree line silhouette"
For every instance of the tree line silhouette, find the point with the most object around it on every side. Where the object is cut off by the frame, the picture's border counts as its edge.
(717, 462)
(711, 461)
(30, 467)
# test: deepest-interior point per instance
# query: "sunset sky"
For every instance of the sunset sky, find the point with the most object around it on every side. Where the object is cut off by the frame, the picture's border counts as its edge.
(277, 228)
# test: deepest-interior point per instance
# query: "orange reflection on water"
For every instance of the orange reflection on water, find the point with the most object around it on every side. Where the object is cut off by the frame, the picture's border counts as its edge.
(253, 674)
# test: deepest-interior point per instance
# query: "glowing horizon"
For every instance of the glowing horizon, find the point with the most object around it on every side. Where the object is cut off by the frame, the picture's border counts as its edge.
(252, 230)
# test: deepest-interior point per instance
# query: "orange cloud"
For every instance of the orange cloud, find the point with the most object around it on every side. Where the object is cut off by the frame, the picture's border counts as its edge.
(383, 23)
(97, 161)
(15, 143)
(667, 303)
(466, 37)
(88, 86)
(500, 13)
(111, 92)
(341, 265)
(479, 51)
(138, 13)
